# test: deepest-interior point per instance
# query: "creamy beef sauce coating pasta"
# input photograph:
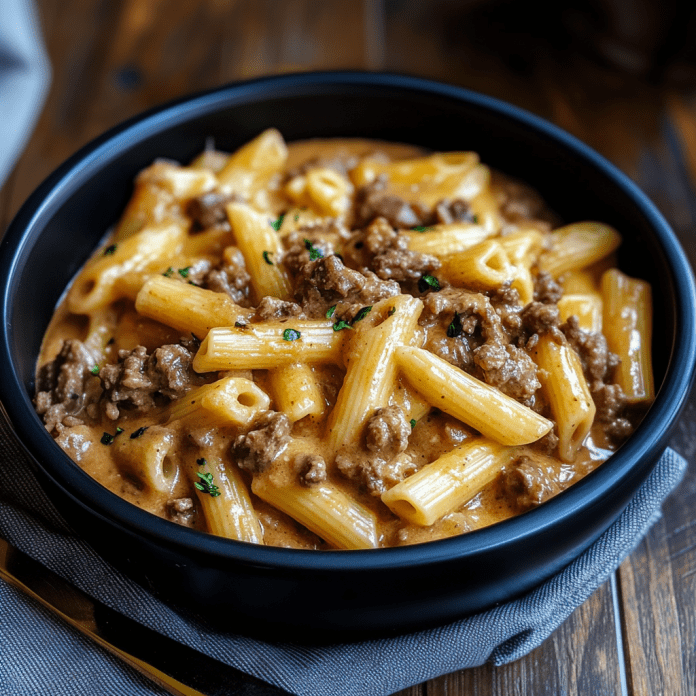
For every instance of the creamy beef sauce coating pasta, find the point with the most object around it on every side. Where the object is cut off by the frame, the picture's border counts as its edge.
(344, 344)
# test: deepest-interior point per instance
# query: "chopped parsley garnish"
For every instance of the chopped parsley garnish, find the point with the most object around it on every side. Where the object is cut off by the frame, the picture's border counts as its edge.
(314, 252)
(413, 423)
(475, 219)
(291, 335)
(94, 369)
(169, 272)
(276, 224)
(108, 438)
(330, 311)
(297, 217)
(422, 228)
(206, 484)
(428, 282)
(339, 325)
(240, 325)
(110, 250)
(183, 272)
(455, 328)
(194, 284)
(362, 313)
(138, 432)
(391, 312)
(266, 257)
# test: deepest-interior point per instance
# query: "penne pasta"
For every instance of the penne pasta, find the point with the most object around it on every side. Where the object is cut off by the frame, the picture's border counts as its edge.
(578, 245)
(250, 169)
(297, 392)
(268, 345)
(587, 308)
(324, 509)
(371, 371)
(443, 240)
(231, 400)
(484, 266)
(262, 250)
(628, 322)
(96, 286)
(448, 482)
(186, 307)
(488, 410)
(566, 389)
(225, 501)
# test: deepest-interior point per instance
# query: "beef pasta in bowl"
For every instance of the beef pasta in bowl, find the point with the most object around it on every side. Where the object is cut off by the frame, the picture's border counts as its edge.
(290, 345)
(343, 344)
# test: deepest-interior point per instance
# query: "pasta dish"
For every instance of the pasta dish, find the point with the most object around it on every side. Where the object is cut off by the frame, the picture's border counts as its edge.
(344, 344)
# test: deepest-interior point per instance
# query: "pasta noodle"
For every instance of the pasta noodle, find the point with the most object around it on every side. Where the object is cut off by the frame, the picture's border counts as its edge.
(344, 345)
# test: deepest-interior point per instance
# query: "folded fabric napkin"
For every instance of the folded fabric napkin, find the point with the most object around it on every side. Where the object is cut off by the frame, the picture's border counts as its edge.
(47, 655)
(24, 79)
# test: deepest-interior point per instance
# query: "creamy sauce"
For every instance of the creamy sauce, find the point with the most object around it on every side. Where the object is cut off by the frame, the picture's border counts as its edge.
(435, 434)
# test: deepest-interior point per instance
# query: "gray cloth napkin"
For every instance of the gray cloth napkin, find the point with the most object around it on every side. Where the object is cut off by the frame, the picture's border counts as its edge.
(24, 79)
(47, 655)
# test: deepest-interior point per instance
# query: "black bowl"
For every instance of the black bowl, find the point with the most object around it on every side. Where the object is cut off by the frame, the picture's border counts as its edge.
(282, 591)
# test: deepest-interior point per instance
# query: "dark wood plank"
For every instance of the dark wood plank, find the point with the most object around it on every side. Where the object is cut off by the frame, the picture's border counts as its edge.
(652, 627)
(579, 658)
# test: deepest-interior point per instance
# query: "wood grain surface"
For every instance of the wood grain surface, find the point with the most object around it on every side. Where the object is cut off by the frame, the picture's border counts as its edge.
(114, 58)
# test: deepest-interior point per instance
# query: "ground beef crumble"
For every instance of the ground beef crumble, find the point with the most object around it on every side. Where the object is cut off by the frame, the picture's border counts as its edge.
(138, 380)
(384, 250)
(67, 389)
(256, 450)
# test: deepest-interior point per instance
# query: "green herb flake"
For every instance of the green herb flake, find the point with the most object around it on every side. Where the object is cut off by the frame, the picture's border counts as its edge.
(421, 228)
(428, 282)
(183, 272)
(169, 272)
(413, 423)
(455, 328)
(297, 217)
(107, 439)
(314, 252)
(240, 325)
(340, 325)
(391, 312)
(330, 311)
(266, 257)
(475, 219)
(291, 335)
(119, 430)
(277, 224)
(138, 432)
(110, 250)
(206, 484)
(94, 369)
(362, 313)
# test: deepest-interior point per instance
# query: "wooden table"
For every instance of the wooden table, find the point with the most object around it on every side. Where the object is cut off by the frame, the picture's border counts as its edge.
(115, 58)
